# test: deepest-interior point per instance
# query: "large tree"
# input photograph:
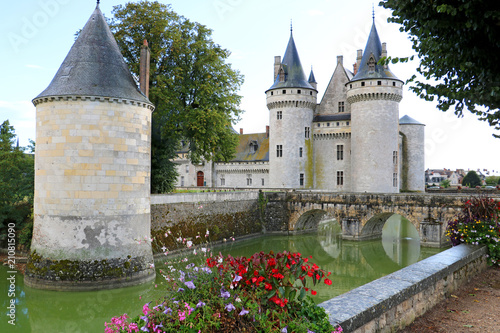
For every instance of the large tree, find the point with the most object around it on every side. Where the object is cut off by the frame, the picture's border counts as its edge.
(458, 44)
(192, 86)
(17, 180)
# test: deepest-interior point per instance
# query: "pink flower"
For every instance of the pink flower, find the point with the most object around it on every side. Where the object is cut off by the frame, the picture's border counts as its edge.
(182, 315)
(146, 309)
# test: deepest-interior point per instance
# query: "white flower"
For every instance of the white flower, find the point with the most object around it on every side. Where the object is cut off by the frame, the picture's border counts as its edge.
(189, 244)
(152, 265)
(163, 249)
(179, 239)
(204, 249)
(238, 299)
(194, 251)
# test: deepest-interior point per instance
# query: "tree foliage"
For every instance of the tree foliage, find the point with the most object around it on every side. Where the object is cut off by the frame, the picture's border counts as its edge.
(457, 43)
(471, 179)
(17, 180)
(191, 85)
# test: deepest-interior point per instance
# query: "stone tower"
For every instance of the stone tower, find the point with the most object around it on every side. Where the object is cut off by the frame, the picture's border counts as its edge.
(412, 154)
(291, 101)
(374, 94)
(92, 164)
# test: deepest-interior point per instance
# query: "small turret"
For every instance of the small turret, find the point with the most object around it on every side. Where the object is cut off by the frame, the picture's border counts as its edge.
(312, 79)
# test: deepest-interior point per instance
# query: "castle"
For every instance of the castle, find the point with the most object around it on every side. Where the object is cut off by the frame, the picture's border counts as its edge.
(351, 141)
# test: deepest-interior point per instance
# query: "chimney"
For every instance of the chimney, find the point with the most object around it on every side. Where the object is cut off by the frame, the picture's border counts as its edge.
(241, 130)
(144, 69)
(384, 53)
(358, 59)
(355, 68)
(340, 60)
(277, 64)
(267, 131)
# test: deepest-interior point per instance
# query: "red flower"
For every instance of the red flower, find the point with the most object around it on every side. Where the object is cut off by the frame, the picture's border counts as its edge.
(313, 292)
(268, 286)
(304, 268)
(310, 273)
(271, 262)
(328, 282)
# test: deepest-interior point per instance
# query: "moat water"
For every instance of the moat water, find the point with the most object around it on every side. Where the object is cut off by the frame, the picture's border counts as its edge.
(352, 264)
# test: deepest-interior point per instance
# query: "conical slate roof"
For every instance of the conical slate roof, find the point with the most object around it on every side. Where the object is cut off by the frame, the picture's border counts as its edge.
(311, 79)
(94, 66)
(294, 74)
(407, 120)
(373, 47)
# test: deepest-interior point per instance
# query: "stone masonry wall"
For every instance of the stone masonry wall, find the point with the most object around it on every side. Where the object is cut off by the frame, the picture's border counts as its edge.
(394, 301)
(223, 214)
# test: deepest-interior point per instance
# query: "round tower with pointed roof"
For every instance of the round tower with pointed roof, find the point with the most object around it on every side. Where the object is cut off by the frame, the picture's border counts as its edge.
(92, 172)
(374, 94)
(412, 154)
(291, 101)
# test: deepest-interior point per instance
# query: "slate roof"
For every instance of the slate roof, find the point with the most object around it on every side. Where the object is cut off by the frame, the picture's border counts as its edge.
(294, 73)
(332, 117)
(407, 120)
(311, 79)
(373, 46)
(244, 151)
(95, 66)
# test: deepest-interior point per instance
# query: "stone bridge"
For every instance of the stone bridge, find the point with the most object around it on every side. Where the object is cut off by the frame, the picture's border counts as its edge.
(362, 216)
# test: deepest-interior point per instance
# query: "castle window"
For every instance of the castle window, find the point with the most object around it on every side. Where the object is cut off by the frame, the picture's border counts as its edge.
(341, 106)
(222, 181)
(371, 63)
(307, 132)
(187, 168)
(328, 124)
(362, 84)
(284, 91)
(310, 93)
(395, 157)
(338, 124)
(299, 91)
(379, 83)
(249, 180)
(271, 93)
(340, 152)
(340, 178)
(262, 181)
(319, 125)
(347, 123)
(301, 179)
(300, 152)
(182, 180)
(395, 179)
(279, 150)
(394, 84)
(279, 115)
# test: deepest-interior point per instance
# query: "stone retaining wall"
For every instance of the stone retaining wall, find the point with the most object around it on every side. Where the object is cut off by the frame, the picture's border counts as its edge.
(394, 301)
(223, 214)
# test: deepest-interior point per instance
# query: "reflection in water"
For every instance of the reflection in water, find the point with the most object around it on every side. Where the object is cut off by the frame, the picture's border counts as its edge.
(352, 264)
(400, 240)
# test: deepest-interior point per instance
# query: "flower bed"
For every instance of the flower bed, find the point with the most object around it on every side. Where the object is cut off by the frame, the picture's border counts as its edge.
(267, 292)
(478, 223)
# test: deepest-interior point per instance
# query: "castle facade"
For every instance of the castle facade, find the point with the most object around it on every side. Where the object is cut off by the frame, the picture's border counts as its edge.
(353, 140)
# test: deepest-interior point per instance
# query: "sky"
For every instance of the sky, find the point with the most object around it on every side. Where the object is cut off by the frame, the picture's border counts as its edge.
(36, 36)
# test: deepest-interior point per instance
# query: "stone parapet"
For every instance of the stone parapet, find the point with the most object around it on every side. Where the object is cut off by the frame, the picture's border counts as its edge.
(394, 301)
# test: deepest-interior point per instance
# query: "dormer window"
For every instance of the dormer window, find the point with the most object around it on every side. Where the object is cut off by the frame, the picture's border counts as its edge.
(281, 75)
(371, 63)
(253, 146)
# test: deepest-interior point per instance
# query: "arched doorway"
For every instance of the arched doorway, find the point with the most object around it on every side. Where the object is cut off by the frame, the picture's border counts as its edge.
(200, 179)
